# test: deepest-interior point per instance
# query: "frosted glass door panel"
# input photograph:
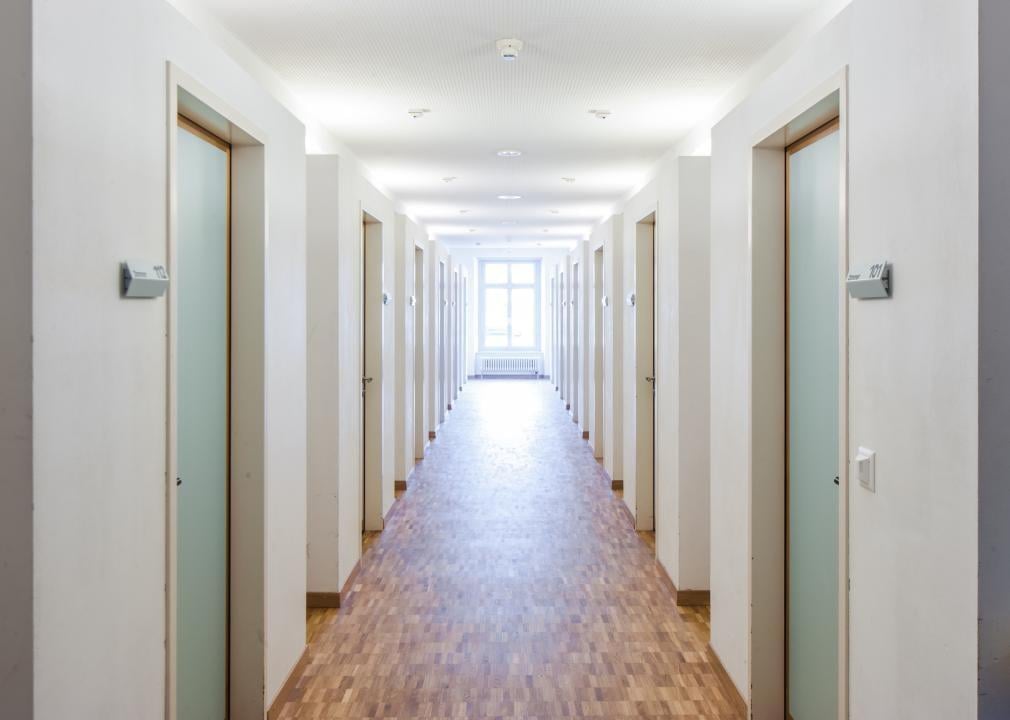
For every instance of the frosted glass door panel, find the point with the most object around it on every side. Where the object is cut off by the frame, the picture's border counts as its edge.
(202, 522)
(813, 279)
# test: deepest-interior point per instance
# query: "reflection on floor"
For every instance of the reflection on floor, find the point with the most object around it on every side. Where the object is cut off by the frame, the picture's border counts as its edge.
(509, 583)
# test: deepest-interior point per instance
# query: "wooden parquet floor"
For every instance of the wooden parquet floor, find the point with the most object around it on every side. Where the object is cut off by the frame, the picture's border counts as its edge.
(509, 583)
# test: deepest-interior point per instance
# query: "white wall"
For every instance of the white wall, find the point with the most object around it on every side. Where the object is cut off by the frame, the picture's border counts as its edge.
(609, 235)
(913, 359)
(682, 373)
(921, 395)
(323, 227)
(638, 208)
(100, 362)
(408, 234)
(16, 659)
(358, 196)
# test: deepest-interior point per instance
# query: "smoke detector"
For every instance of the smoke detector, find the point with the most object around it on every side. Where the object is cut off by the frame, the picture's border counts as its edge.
(418, 113)
(509, 48)
(600, 114)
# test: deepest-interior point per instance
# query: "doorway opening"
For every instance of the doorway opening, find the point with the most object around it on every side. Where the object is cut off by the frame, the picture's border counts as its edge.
(203, 391)
(645, 372)
(443, 321)
(596, 427)
(576, 364)
(215, 524)
(799, 360)
(563, 339)
(420, 377)
(813, 279)
(371, 374)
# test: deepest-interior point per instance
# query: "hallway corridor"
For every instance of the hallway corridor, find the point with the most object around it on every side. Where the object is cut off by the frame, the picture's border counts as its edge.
(509, 583)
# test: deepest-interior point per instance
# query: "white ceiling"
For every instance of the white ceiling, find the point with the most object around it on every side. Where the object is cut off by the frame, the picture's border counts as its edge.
(658, 65)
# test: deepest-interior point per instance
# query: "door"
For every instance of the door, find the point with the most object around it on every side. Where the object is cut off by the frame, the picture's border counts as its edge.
(371, 380)
(203, 314)
(420, 380)
(813, 171)
(442, 330)
(576, 365)
(645, 382)
(598, 347)
(562, 335)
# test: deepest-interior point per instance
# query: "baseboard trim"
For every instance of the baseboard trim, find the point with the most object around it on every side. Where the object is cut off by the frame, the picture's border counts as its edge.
(400, 486)
(729, 687)
(585, 434)
(345, 591)
(288, 689)
(315, 600)
(683, 598)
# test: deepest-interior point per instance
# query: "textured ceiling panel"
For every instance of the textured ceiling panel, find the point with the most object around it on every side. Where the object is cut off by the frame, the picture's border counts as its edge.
(659, 66)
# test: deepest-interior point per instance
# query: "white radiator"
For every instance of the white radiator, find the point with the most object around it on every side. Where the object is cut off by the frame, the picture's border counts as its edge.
(509, 366)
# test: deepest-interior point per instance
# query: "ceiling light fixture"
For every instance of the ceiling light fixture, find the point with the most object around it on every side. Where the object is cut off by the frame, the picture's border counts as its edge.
(508, 48)
(509, 153)
(418, 113)
(600, 114)
(510, 197)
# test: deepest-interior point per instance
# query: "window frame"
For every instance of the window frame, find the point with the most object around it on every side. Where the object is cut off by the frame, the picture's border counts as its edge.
(509, 286)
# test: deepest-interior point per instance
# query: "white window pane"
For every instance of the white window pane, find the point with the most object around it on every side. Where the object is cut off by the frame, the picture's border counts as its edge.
(524, 321)
(496, 317)
(524, 273)
(496, 273)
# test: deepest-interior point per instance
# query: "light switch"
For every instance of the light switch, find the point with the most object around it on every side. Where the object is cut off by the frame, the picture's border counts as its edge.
(866, 469)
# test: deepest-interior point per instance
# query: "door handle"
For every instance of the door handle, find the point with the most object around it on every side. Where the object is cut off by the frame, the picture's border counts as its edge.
(650, 379)
(366, 380)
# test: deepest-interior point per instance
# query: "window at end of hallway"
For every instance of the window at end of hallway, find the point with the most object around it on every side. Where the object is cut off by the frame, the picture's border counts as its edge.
(509, 305)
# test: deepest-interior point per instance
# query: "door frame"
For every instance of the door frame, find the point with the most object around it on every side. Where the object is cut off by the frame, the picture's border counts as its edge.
(645, 482)
(247, 390)
(768, 430)
(372, 231)
(420, 352)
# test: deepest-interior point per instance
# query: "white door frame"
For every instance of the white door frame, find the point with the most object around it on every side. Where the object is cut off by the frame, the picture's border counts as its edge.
(768, 519)
(247, 531)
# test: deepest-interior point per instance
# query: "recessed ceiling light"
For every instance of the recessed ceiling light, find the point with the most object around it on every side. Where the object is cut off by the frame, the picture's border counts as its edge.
(568, 179)
(449, 178)
(418, 113)
(600, 114)
(509, 153)
(510, 197)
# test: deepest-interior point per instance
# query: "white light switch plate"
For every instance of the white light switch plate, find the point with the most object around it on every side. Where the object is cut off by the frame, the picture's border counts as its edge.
(866, 469)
